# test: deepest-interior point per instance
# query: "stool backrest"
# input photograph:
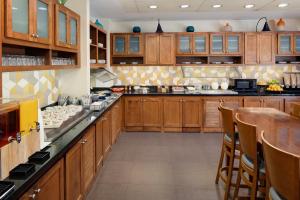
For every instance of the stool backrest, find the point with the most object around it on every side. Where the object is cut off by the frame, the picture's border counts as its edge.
(227, 121)
(248, 139)
(283, 170)
(295, 109)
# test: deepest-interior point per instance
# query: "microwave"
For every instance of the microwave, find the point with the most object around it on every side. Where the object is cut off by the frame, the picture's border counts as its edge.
(246, 85)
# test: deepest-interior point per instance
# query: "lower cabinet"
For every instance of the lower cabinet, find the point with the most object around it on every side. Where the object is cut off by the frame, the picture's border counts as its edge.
(50, 186)
(116, 123)
(99, 144)
(265, 102)
(80, 166)
(288, 102)
(133, 114)
(172, 112)
(106, 128)
(191, 114)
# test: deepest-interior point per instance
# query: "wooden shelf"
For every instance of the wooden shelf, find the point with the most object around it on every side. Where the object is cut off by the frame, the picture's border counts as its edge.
(93, 45)
(96, 66)
(102, 48)
(33, 68)
(97, 35)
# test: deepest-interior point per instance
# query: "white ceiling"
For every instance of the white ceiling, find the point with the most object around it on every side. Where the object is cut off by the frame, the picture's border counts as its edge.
(199, 9)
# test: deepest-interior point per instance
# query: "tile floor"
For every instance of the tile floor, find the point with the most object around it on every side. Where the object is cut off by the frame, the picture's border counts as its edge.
(160, 166)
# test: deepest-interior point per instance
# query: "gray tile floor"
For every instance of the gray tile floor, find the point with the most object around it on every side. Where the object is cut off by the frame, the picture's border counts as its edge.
(160, 166)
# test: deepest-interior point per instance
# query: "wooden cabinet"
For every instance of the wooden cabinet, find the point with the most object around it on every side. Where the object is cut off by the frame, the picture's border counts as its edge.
(191, 114)
(152, 113)
(67, 27)
(172, 111)
(133, 112)
(159, 49)
(251, 48)
(116, 122)
(288, 43)
(192, 43)
(106, 127)
(80, 166)
(288, 101)
(226, 43)
(99, 144)
(253, 102)
(266, 102)
(50, 186)
(127, 44)
(29, 20)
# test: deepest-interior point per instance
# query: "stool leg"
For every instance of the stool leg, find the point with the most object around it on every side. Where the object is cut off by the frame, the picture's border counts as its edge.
(238, 182)
(254, 188)
(229, 176)
(220, 164)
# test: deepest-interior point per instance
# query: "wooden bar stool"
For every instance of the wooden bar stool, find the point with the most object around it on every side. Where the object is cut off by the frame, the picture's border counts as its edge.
(252, 170)
(295, 109)
(229, 147)
(283, 172)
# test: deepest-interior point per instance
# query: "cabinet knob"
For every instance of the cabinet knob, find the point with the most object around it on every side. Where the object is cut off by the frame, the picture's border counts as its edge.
(37, 36)
(37, 191)
(33, 35)
(83, 142)
(32, 196)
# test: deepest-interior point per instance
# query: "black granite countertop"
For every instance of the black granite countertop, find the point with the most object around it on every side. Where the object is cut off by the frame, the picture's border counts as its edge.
(58, 148)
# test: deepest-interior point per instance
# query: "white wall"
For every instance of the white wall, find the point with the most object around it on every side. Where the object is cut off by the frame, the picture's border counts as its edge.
(77, 82)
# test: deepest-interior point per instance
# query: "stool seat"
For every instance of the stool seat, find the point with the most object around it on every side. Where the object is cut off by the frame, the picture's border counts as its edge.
(249, 163)
(228, 138)
(273, 194)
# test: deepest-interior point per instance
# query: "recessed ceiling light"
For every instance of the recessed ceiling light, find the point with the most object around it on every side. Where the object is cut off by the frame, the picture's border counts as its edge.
(153, 6)
(249, 6)
(282, 5)
(184, 6)
(217, 6)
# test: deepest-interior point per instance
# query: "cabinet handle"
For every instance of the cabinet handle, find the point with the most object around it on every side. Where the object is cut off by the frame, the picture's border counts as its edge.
(83, 142)
(37, 191)
(32, 196)
(37, 36)
(33, 35)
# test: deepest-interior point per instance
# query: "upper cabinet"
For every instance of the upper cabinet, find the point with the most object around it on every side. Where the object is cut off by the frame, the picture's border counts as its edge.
(288, 43)
(29, 20)
(67, 28)
(226, 43)
(192, 43)
(127, 44)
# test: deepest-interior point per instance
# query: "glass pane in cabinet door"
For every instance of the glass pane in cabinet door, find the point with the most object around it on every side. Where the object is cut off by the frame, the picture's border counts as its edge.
(120, 45)
(233, 44)
(134, 44)
(184, 42)
(297, 43)
(73, 31)
(285, 43)
(62, 27)
(20, 19)
(200, 44)
(42, 19)
(217, 43)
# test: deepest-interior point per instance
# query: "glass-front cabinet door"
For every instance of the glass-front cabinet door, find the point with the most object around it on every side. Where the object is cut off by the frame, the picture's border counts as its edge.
(62, 31)
(135, 44)
(217, 43)
(43, 21)
(119, 44)
(200, 43)
(285, 44)
(233, 43)
(184, 43)
(297, 43)
(73, 27)
(18, 18)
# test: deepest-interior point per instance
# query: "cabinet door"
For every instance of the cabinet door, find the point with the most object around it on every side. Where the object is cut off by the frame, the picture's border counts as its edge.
(200, 43)
(253, 102)
(285, 43)
(19, 19)
(62, 31)
(211, 115)
(288, 102)
(152, 49)
(43, 21)
(51, 185)
(88, 158)
(234, 43)
(119, 44)
(274, 102)
(172, 112)
(266, 48)
(191, 112)
(74, 190)
(99, 144)
(106, 134)
(251, 48)
(184, 43)
(152, 113)
(296, 44)
(135, 44)
(166, 49)
(217, 43)
(114, 123)
(73, 30)
(133, 111)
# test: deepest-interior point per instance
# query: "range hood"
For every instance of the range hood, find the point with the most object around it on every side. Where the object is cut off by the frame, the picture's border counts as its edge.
(104, 74)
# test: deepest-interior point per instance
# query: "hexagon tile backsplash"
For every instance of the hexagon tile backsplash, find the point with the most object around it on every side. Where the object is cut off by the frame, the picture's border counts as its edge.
(170, 75)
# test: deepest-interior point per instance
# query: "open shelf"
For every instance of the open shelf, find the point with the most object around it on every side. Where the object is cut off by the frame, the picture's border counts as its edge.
(287, 60)
(126, 61)
(98, 51)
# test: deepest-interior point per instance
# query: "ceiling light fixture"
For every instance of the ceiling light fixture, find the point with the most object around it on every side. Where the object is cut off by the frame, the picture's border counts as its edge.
(153, 6)
(249, 6)
(217, 6)
(184, 6)
(282, 5)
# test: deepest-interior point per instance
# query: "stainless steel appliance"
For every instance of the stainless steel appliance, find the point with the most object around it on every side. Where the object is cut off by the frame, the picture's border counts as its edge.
(243, 85)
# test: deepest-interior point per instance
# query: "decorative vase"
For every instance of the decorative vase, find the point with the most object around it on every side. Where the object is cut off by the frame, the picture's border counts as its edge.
(62, 2)
(280, 25)
(227, 28)
(97, 22)
(136, 29)
(159, 29)
(190, 29)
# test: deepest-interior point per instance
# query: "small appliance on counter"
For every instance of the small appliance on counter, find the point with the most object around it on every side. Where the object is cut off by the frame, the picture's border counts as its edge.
(243, 85)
